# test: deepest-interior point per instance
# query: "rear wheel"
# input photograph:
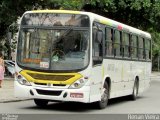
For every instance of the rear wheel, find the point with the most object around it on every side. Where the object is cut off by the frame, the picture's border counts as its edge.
(134, 94)
(104, 97)
(41, 102)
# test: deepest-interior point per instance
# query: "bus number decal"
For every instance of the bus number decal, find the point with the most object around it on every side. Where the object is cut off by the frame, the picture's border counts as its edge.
(44, 64)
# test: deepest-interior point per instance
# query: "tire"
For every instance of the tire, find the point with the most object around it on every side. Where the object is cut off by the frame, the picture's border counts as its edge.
(41, 102)
(104, 98)
(134, 94)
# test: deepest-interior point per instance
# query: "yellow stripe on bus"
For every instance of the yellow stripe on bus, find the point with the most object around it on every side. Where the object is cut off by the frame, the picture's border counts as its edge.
(76, 76)
(56, 11)
(105, 22)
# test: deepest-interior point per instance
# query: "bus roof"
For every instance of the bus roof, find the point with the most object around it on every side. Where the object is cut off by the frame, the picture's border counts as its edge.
(100, 19)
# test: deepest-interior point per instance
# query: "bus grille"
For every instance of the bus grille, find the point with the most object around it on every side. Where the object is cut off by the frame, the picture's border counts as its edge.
(50, 77)
(45, 84)
(48, 92)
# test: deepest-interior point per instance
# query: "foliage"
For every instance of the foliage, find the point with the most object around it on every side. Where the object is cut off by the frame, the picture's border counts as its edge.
(142, 14)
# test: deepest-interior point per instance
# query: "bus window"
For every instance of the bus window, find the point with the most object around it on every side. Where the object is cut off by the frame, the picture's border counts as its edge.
(117, 41)
(150, 49)
(147, 49)
(141, 48)
(126, 44)
(134, 45)
(97, 45)
(109, 42)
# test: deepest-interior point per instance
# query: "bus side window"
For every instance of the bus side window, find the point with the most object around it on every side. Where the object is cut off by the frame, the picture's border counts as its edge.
(117, 43)
(97, 46)
(134, 45)
(147, 49)
(109, 42)
(141, 48)
(144, 53)
(125, 44)
(150, 47)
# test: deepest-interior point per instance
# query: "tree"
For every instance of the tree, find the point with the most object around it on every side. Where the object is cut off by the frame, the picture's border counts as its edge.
(11, 10)
(142, 14)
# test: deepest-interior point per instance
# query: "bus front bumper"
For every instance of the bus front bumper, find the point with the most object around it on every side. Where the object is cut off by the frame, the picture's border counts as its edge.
(52, 94)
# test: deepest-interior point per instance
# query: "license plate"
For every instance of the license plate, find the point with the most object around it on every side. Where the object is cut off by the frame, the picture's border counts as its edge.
(76, 95)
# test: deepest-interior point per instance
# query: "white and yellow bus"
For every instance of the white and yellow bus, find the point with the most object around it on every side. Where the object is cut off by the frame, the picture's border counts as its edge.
(80, 56)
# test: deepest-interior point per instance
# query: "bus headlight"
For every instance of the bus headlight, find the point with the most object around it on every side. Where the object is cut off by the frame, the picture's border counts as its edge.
(22, 80)
(78, 84)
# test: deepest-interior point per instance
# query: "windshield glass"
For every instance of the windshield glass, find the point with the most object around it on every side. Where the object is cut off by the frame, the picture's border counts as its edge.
(53, 48)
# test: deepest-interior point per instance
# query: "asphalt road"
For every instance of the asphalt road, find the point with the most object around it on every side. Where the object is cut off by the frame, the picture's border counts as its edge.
(148, 102)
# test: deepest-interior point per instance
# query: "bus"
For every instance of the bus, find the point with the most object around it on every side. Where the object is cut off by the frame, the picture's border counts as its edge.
(78, 56)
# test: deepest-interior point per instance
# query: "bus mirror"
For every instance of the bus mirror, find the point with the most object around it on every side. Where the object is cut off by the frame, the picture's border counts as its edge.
(99, 36)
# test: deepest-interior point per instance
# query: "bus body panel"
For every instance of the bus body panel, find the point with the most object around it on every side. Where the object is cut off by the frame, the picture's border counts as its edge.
(24, 92)
(122, 85)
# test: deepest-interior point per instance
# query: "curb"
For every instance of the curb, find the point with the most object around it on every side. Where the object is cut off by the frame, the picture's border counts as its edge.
(18, 100)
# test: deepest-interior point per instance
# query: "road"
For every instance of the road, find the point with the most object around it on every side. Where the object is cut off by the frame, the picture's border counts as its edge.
(148, 102)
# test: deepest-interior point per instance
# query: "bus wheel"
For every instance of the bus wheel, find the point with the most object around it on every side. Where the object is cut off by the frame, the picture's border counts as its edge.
(104, 98)
(41, 102)
(134, 94)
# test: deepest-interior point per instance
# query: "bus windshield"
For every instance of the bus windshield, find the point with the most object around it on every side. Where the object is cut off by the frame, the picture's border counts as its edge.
(53, 47)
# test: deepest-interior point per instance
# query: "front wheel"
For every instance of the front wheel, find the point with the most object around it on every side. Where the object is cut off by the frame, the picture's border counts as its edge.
(41, 102)
(104, 97)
